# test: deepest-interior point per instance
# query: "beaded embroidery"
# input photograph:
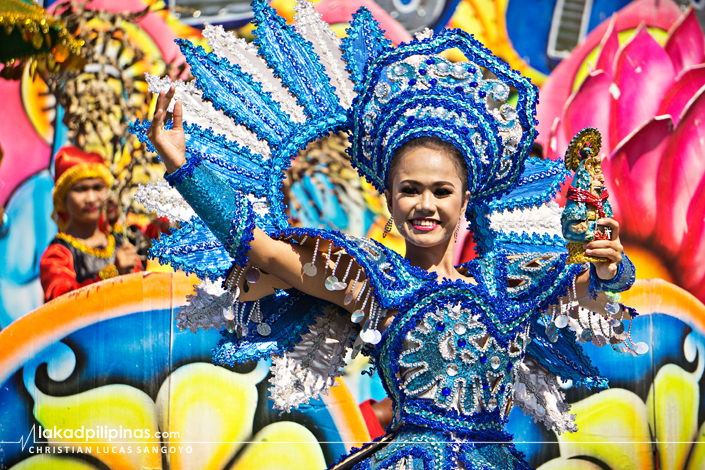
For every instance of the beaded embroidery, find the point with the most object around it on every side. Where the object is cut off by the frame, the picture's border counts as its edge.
(470, 369)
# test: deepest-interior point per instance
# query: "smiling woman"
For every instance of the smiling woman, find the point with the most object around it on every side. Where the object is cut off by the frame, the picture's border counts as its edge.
(456, 346)
(427, 197)
(81, 253)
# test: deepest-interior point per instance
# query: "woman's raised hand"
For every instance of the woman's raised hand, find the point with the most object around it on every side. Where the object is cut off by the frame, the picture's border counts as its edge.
(169, 144)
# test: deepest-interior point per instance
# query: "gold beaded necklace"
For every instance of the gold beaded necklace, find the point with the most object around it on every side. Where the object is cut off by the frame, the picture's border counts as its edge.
(105, 253)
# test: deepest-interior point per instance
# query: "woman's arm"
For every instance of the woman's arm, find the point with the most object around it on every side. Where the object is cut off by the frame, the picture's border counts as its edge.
(284, 261)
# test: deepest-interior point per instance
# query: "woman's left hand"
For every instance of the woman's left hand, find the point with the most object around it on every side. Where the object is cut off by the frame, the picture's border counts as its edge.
(611, 249)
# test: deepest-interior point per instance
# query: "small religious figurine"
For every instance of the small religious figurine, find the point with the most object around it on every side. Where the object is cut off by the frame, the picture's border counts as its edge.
(587, 197)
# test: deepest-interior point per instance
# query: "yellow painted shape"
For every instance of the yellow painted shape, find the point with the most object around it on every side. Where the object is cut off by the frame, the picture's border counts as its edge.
(182, 30)
(139, 38)
(211, 409)
(340, 29)
(375, 202)
(613, 428)
(697, 456)
(569, 464)
(110, 407)
(39, 105)
(246, 32)
(282, 446)
(466, 18)
(124, 160)
(488, 16)
(486, 20)
(673, 414)
(648, 264)
(658, 296)
(155, 266)
(49, 462)
(285, 8)
(393, 240)
(113, 298)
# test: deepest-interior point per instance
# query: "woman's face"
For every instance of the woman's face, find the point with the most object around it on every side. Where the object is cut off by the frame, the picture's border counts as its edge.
(426, 196)
(85, 199)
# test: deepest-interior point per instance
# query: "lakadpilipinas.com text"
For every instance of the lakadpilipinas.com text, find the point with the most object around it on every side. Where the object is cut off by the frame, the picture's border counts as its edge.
(102, 440)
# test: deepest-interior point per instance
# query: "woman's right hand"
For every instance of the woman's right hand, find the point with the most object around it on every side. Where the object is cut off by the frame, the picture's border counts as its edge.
(169, 144)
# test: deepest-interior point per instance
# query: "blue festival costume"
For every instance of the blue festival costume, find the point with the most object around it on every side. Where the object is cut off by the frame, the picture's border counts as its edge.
(456, 356)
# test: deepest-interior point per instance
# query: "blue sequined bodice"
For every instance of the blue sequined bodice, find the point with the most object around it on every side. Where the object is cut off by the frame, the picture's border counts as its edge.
(443, 366)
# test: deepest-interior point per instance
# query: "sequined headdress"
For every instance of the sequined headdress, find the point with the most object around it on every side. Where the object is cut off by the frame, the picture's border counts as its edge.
(252, 106)
(412, 91)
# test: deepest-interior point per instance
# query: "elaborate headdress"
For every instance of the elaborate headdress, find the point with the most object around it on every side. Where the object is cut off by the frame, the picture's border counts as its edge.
(413, 91)
(252, 106)
(71, 165)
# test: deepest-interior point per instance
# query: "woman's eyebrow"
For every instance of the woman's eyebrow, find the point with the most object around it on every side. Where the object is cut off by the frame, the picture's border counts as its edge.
(437, 183)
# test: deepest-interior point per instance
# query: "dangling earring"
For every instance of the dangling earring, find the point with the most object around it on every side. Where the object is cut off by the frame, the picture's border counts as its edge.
(457, 228)
(388, 227)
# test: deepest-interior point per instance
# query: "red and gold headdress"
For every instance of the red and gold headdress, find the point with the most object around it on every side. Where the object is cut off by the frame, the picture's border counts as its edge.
(72, 165)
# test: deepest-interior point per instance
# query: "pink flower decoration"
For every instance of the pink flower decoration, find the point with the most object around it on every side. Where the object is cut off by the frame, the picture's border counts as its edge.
(648, 101)
(341, 11)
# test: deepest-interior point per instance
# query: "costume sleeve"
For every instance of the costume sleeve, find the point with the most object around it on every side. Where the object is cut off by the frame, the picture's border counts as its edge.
(227, 214)
(623, 280)
(307, 338)
(56, 272)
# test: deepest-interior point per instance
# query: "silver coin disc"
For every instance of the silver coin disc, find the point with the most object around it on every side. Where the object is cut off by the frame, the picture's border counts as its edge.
(641, 348)
(587, 335)
(331, 281)
(252, 275)
(310, 269)
(377, 338)
(264, 329)
(228, 314)
(368, 336)
(357, 316)
(562, 321)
